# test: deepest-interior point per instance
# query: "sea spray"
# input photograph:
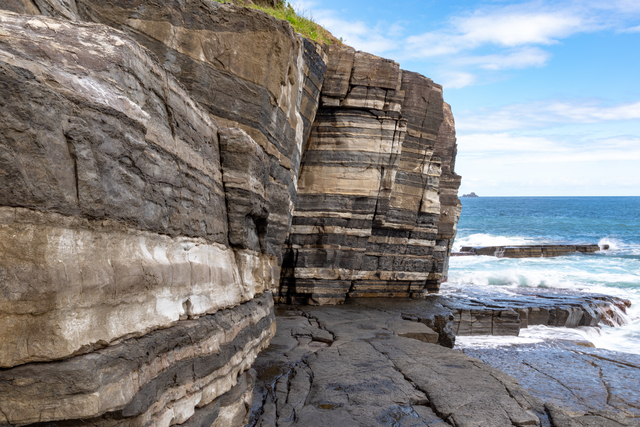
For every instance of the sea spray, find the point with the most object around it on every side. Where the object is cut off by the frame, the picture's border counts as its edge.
(612, 221)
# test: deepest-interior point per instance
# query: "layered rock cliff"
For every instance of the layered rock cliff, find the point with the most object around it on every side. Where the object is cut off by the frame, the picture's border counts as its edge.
(167, 167)
(368, 212)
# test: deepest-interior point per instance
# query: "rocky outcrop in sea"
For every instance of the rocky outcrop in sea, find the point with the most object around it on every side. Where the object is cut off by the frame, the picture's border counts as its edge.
(167, 169)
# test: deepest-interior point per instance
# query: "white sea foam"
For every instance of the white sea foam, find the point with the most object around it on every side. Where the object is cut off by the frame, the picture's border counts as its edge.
(490, 341)
(615, 339)
(613, 272)
(482, 239)
(531, 335)
(505, 222)
(618, 247)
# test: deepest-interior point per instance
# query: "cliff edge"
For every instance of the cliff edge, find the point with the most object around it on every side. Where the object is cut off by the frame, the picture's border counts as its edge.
(166, 170)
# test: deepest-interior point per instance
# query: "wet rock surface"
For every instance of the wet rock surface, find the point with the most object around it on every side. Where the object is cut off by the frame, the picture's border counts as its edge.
(369, 374)
(478, 312)
(526, 251)
(580, 386)
(363, 364)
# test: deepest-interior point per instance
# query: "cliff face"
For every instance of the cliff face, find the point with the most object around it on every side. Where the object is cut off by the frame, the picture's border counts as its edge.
(368, 210)
(450, 206)
(160, 162)
(116, 222)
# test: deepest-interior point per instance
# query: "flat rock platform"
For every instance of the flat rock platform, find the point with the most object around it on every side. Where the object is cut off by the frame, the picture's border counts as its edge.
(526, 251)
(581, 380)
(375, 362)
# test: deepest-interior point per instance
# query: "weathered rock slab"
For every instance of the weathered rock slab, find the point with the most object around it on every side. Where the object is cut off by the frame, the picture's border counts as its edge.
(580, 386)
(528, 251)
(478, 312)
(371, 376)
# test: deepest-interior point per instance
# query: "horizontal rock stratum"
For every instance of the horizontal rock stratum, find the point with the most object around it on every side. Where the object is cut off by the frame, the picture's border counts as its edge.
(167, 170)
(527, 251)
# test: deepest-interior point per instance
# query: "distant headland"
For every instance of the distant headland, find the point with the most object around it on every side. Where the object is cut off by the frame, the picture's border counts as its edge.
(472, 194)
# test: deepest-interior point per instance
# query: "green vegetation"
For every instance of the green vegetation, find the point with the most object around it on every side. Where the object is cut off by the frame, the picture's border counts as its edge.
(300, 23)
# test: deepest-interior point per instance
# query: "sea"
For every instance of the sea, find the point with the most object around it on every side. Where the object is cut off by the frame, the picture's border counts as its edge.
(613, 221)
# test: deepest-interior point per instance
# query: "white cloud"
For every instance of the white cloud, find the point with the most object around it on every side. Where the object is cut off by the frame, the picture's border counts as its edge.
(457, 80)
(544, 113)
(509, 27)
(627, 6)
(522, 58)
(359, 35)
(493, 37)
(488, 144)
(508, 148)
(632, 30)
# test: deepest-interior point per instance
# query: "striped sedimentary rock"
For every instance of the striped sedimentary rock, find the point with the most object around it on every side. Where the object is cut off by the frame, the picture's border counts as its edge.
(65, 9)
(134, 265)
(368, 207)
(169, 376)
(450, 206)
(150, 169)
(247, 69)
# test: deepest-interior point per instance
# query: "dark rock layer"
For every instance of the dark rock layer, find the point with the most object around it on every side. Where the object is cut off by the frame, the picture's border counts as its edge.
(161, 377)
(483, 314)
(122, 236)
(370, 373)
(247, 69)
(528, 251)
(358, 364)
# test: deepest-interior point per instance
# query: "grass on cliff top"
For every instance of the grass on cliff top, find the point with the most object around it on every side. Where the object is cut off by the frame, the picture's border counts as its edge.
(300, 23)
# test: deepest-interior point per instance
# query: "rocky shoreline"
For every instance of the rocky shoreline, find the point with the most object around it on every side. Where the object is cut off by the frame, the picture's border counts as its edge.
(527, 251)
(596, 386)
(375, 362)
(171, 170)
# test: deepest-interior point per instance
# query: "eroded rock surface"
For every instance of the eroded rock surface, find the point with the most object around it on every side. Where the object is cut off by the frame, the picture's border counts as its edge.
(580, 386)
(247, 69)
(527, 251)
(65, 9)
(159, 378)
(369, 373)
(133, 270)
(477, 312)
(116, 212)
(450, 207)
(354, 365)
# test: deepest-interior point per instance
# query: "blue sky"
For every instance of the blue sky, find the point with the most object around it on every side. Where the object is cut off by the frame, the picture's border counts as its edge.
(546, 94)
